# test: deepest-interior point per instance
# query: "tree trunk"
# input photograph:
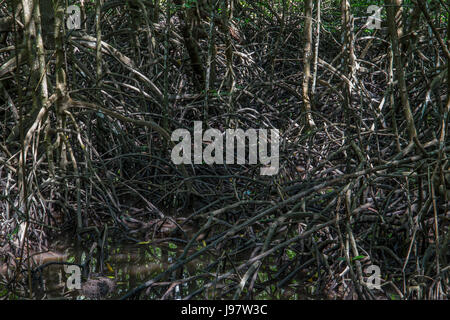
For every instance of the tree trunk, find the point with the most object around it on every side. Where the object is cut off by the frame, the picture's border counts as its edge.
(307, 55)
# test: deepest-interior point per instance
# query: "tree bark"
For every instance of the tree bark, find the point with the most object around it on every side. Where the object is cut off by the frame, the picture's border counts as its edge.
(307, 55)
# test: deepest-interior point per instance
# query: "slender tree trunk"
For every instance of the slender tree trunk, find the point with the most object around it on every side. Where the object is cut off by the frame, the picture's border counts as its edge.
(210, 65)
(307, 55)
(348, 62)
(190, 22)
(392, 10)
(316, 46)
(98, 5)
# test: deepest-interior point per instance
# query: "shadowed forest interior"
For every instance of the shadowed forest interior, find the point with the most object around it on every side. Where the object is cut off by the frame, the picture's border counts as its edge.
(91, 92)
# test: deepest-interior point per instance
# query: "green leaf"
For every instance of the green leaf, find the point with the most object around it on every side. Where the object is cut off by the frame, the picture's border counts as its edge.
(172, 245)
(358, 258)
(291, 254)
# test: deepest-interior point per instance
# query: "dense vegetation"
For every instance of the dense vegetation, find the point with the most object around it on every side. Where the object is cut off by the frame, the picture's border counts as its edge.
(362, 112)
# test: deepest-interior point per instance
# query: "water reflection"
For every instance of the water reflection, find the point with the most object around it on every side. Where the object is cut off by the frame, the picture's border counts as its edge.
(125, 267)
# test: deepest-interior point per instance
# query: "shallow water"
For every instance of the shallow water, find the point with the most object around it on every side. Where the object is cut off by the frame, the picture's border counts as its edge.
(126, 265)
